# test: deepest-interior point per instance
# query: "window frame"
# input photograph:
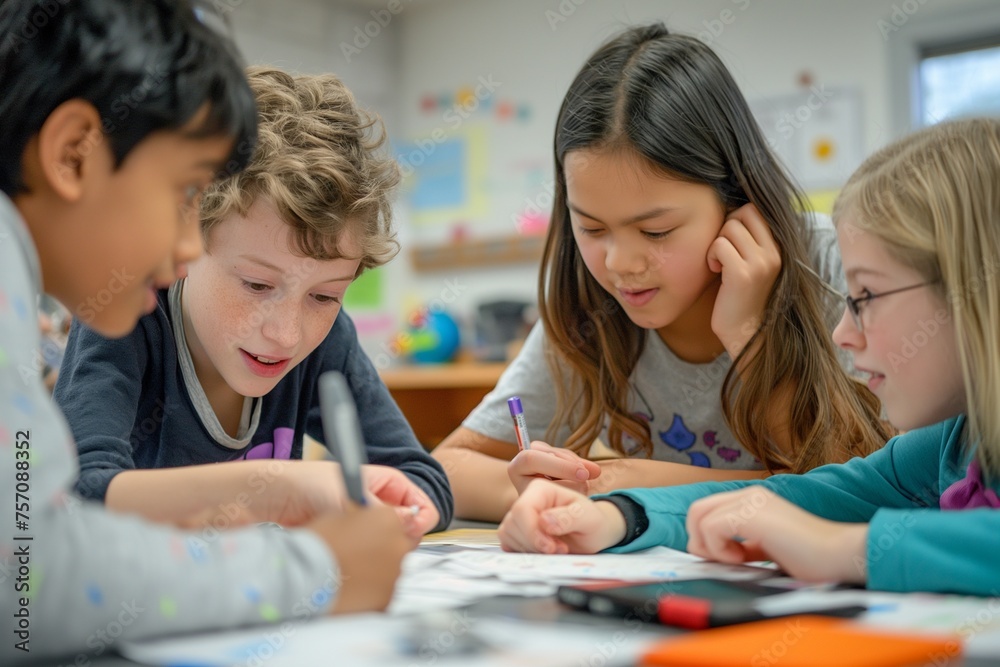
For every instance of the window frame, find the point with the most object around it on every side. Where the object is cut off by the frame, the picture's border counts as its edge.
(921, 37)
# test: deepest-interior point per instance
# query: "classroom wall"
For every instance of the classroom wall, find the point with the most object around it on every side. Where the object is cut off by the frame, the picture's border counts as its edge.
(529, 50)
(534, 48)
(320, 36)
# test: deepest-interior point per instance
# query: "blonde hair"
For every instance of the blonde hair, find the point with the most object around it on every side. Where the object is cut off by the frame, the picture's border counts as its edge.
(933, 200)
(317, 163)
(670, 100)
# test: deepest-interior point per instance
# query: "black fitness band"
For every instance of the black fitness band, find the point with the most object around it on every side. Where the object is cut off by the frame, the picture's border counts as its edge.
(636, 521)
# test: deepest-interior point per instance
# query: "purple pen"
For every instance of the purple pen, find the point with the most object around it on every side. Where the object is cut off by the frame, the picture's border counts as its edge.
(520, 426)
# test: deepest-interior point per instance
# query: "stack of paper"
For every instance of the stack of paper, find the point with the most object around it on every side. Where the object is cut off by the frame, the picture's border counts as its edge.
(438, 577)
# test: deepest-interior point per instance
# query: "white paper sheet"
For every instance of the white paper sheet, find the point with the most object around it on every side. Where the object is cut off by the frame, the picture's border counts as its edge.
(658, 563)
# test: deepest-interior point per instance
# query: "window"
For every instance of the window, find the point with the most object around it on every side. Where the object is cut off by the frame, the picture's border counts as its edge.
(944, 66)
(959, 81)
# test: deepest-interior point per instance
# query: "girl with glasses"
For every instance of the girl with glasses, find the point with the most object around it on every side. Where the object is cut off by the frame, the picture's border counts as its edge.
(919, 236)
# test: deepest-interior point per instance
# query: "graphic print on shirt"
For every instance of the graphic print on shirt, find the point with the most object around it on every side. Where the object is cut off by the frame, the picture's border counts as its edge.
(280, 448)
(681, 438)
(631, 447)
(678, 436)
(728, 453)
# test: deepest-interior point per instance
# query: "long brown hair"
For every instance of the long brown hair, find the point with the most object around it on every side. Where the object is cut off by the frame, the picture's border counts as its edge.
(671, 100)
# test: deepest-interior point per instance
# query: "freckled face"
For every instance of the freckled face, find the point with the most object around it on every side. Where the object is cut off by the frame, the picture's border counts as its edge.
(253, 308)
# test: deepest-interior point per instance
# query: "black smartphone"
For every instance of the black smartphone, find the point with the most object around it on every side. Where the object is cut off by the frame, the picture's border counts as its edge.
(691, 603)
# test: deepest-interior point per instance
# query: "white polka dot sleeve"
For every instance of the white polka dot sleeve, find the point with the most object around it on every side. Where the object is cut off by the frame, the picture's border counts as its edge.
(75, 578)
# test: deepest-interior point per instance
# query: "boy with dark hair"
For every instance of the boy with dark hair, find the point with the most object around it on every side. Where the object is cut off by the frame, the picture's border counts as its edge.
(116, 115)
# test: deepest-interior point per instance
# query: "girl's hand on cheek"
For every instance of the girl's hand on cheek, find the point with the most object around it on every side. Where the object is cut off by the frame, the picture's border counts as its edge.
(747, 256)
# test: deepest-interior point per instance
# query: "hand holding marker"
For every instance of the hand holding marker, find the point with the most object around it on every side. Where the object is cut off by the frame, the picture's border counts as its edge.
(343, 431)
(520, 426)
(564, 467)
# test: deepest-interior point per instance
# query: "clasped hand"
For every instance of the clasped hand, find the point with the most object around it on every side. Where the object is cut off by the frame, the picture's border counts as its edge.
(747, 525)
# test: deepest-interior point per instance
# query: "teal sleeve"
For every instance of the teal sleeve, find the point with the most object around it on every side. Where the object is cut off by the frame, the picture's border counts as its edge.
(901, 475)
(666, 510)
(935, 551)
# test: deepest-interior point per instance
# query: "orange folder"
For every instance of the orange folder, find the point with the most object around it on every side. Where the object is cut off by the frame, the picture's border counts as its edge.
(803, 641)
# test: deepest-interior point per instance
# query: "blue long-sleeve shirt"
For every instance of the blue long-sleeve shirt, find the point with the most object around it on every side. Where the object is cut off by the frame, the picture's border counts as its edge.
(130, 406)
(913, 545)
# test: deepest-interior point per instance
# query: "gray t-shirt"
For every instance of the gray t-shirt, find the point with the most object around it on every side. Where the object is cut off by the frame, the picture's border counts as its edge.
(680, 401)
(75, 577)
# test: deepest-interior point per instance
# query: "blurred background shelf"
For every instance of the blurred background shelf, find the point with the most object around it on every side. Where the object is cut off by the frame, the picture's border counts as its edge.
(478, 253)
(435, 398)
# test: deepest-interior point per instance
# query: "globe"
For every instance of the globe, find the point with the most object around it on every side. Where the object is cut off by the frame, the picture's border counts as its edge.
(434, 338)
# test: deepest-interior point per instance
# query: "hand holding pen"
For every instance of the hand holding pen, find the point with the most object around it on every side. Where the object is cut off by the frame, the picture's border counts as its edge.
(369, 545)
(342, 430)
(537, 460)
(368, 542)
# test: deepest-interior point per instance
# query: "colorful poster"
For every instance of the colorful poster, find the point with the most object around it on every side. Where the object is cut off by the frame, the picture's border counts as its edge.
(445, 176)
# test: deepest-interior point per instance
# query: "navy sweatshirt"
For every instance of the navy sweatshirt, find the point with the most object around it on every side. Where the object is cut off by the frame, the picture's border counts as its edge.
(129, 407)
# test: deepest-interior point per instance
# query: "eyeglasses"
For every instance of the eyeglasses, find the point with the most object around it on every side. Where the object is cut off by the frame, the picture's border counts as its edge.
(854, 305)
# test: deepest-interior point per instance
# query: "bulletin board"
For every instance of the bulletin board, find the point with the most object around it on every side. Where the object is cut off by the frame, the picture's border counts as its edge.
(446, 178)
(477, 174)
(817, 134)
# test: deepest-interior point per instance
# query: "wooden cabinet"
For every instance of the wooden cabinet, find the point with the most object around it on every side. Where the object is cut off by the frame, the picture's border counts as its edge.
(435, 398)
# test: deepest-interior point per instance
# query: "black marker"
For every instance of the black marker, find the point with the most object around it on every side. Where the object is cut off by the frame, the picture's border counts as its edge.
(343, 431)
